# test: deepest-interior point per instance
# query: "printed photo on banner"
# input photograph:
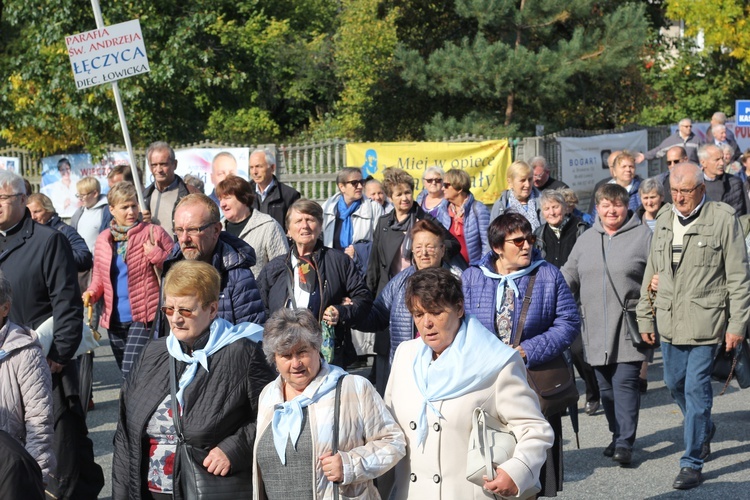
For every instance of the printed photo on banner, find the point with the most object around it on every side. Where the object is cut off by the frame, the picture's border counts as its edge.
(10, 163)
(584, 159)
(485, 162)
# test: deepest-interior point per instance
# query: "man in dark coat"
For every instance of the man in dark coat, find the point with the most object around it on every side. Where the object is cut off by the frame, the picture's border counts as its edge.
(542, 178)
(168, 188)
(271, 196)
(721, 186)
(38, 262)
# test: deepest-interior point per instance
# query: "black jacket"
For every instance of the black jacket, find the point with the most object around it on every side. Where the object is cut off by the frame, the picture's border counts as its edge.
(729, 189)
(277, 201)
(554, 250)
(20, 475)
(338, 277)
(221, 408)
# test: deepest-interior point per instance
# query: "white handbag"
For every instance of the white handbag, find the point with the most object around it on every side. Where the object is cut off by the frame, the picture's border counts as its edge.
(45, 334)
(491, 444)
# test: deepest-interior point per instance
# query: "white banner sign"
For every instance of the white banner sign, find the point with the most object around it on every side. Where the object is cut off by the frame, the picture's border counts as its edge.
(584, 160)
(11, 163)
(108, 54)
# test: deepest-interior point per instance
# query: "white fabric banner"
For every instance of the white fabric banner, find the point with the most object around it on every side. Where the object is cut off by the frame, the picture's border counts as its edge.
(584, 160)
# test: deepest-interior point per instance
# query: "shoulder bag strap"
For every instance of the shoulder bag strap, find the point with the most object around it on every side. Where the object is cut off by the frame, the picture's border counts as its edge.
(524, 309)
(609, 276)
(336, 413)
(175, 405)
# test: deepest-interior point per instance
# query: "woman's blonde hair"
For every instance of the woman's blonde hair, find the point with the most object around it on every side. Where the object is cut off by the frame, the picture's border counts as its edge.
(89, 184)
(193, 278)
(120, 193)
(43, 200)
(518, 169)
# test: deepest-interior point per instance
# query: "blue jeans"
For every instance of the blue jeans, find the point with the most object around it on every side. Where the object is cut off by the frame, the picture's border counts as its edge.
(687, 374)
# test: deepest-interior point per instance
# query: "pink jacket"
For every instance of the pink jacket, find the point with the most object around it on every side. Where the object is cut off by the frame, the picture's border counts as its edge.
(142, 282)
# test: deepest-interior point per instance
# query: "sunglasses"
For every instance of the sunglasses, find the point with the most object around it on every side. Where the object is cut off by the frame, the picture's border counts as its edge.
(185, 313)
(437, 180)
(447, 184)
(518, 242)
(356, 184)
(674, 162)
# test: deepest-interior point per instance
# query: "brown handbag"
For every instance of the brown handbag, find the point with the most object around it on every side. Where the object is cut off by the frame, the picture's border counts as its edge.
(552, 381)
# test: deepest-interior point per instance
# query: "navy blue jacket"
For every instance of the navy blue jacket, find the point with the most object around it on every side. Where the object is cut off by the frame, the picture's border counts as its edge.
(553, 321)
(81, 255)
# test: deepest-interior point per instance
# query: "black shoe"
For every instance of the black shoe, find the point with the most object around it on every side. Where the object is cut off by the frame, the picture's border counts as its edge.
(642, 385)
(591, 407)
(706, 446)
(687, 478)
(623, 456)
(609, 451)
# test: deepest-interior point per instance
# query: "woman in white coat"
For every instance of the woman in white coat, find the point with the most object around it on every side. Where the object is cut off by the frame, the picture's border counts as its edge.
(436, 382)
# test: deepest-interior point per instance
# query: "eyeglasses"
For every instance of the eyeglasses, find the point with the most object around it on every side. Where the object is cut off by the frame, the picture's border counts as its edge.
(683, 192)
(185, 313)
(192, 231)
(83, 195)
(355, 183)
(446, 184)
(436, 180)
(518, 242)
(675, 162)
(427, 250)
(6, 197)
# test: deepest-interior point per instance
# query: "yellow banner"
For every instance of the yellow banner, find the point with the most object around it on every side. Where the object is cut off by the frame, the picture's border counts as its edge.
(485, 162)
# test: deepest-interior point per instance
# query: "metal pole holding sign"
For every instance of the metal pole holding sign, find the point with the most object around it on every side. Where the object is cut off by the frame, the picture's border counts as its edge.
(118, 101)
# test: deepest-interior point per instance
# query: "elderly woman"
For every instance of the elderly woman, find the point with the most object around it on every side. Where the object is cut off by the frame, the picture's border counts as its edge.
(315, 277)
(293, 451)
(651, 192)
(571, 200)
(259, 230)
(436, 382)
(217, 401)
(521, 196)
(26, 388)
(494, 292)
(127, 256)
(432, 199)
(349, 218)
(43, 212)
(375, 192)
(468, 217)
(604, 269)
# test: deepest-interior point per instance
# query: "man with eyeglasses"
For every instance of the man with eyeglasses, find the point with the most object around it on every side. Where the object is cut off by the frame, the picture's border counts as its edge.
(168, 188)
(542, 178)
(698, 256)
(197, 228)
(38, 262)
(683, 137)
(721, 186)
(675, 156)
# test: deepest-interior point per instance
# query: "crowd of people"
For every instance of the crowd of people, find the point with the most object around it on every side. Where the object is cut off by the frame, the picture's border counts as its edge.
(233, 319)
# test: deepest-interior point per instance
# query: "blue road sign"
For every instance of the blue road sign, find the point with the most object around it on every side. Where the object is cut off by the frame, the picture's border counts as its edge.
(742, 113)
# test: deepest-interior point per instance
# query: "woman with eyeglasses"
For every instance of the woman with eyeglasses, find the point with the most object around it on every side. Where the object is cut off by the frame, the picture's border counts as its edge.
(494, 291)
(127, 257)
(349, 218)
(432, 199)
(468, 217)
(219, 373)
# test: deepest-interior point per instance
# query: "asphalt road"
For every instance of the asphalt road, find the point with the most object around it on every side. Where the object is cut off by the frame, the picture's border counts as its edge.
(588, 474)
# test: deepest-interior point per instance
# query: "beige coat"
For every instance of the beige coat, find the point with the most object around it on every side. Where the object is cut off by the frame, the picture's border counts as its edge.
(439, 472)
(267, 238)
(26, 395)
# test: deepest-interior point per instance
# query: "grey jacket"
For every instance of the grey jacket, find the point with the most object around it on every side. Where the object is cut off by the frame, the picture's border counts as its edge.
(707, 295)
(26, 395)
(266, 236)
(603, 332)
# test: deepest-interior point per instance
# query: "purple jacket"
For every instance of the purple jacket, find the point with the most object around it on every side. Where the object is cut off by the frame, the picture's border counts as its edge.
(552, 322)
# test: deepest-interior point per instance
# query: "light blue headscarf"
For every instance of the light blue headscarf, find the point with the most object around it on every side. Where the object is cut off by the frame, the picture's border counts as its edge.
(222, 333)
(287, 417)
(510, 279)
(475, 356)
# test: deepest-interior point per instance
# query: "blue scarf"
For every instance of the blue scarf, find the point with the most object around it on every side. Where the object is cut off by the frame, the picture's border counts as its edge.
(3, 354)
(474, 357)
(344, 213)
(222, 333)
(287, 417)
(509, 279)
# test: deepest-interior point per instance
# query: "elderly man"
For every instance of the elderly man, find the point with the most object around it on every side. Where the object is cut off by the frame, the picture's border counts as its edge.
(721, 186)
(38, 262)
(542, 179)
(717, 118)
(223, 165)
(271, 196)
(199, 237)
(698, 257)
(168, 188)
(721, 138)
(683, 137)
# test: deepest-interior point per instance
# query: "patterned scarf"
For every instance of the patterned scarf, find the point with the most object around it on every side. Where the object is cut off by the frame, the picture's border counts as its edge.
(528, 210)
(120, 236)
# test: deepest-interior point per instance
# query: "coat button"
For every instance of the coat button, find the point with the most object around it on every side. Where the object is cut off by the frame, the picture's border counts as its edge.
(436, 426)
(412, 425)
(436, 478)
(413, 477)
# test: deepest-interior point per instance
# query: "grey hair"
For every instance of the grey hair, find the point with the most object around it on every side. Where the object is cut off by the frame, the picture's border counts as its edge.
(6, 292)
(13, 181)
(539, 160)
(650, 185)
(719, 117)
(703, 151)
(552, 195)
(685, 120)
(160, 146)
(195, 181)
(270, 157)
(433, 170)
(287, 328)
(726, 148)
(717, 128)
(345, 173)
(686, 170)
